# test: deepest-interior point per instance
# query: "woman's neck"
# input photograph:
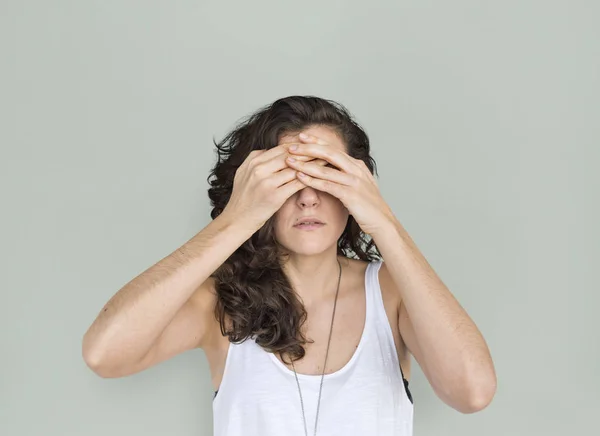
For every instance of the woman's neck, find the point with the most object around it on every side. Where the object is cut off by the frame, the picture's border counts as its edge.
(314, 278)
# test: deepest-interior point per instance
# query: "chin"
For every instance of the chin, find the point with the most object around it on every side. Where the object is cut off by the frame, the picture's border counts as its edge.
(307, 251)
(307, 247)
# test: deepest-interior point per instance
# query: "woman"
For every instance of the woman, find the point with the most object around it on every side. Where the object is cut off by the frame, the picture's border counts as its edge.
(306, 329)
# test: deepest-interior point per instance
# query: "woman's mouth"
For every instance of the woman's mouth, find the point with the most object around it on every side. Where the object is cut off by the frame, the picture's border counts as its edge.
(309, 226)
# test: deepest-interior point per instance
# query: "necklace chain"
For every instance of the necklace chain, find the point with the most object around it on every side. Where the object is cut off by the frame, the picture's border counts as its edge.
(324, 365)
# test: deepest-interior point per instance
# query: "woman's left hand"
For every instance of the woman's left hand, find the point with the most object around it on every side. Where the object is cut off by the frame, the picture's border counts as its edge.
(353, 184)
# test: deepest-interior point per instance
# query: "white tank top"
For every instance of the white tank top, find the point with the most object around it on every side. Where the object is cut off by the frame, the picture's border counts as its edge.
(258, 395)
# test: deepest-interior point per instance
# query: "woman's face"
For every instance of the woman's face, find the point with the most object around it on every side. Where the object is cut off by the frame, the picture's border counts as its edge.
(311, 202)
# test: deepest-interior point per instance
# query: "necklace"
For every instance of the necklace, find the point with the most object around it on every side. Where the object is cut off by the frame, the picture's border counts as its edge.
(326, 354)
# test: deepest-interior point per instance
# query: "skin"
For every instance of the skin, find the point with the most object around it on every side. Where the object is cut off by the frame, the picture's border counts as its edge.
(432, 324)
(168, 308)
(312, 267)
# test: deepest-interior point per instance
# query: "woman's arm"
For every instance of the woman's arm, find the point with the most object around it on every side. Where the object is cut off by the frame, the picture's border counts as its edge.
(444, 340)
(166, 309)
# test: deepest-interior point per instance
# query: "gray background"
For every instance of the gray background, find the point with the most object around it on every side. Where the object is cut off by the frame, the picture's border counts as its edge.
(484, 120)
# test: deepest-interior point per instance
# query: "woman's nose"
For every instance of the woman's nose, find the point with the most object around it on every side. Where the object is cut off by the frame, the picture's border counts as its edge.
(308, 197)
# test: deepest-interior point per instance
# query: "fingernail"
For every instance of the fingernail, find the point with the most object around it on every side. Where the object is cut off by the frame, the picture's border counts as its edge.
(294, 147)
(303, 136)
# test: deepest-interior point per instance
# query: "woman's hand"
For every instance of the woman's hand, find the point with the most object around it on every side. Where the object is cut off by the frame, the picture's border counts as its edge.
(262, 184)
(351, 182)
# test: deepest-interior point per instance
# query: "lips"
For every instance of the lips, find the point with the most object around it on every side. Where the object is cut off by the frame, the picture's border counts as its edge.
(307, 220)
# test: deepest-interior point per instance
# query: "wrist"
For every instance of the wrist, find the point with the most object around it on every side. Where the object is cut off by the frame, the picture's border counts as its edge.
(231, 221)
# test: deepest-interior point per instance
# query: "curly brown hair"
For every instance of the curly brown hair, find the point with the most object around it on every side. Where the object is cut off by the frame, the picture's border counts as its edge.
(252, 289)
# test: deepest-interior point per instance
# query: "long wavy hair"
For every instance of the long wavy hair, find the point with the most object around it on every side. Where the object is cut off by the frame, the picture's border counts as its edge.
(252, 289)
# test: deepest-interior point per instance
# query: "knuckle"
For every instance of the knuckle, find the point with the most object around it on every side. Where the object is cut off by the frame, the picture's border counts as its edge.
(256, 170)
(264, 183)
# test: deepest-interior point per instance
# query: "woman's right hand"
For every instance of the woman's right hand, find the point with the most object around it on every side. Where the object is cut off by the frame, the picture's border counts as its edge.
(262, 184)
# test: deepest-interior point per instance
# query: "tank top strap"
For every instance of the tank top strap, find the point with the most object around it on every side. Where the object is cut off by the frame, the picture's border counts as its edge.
(372, 288)
(373, 297)
(380, 318)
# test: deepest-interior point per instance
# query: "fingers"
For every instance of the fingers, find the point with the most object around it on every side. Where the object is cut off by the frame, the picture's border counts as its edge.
(287, 145)
(260, 156)
(273, 160)
(287, 174)
(284, 176)
(290, 188)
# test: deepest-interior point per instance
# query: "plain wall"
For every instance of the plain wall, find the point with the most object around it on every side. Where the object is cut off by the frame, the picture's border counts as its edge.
(484, 122)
